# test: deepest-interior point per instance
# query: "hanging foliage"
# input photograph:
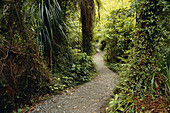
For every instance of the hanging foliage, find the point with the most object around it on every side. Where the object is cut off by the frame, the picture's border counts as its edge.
(144, 77)
(51, 34)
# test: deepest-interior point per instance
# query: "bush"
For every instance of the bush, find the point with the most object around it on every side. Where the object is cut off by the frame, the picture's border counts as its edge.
(22, 76)
(81, 70)
(143, 87)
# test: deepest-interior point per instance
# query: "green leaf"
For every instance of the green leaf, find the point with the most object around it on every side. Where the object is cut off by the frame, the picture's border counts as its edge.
(116, 96)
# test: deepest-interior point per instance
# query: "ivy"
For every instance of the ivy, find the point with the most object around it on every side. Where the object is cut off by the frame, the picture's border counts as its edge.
(142, 85)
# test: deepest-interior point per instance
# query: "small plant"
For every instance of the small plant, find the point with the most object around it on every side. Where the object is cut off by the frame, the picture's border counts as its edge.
(81, 70)
(167, 78)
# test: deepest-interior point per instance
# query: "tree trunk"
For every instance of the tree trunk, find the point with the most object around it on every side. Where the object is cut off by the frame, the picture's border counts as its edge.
(87, 19)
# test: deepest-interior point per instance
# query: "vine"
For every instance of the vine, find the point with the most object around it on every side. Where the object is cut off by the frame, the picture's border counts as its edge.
(144, 75)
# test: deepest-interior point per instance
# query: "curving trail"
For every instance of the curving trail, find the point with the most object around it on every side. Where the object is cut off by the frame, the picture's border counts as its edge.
(87, 98)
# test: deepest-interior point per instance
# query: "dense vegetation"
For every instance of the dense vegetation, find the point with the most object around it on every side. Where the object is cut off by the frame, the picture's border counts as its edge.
(137, 44)
(44, 48)
(36, 55)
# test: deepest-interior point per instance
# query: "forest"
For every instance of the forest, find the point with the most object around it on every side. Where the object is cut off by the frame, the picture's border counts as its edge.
(47, 46)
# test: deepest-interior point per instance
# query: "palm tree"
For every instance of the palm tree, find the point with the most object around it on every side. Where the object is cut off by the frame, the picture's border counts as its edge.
(51, 33)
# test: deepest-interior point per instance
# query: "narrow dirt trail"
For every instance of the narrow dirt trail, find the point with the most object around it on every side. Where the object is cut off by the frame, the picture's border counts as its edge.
(88, 98)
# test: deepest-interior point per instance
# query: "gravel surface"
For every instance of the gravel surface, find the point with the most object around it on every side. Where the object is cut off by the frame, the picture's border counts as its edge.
(87, 98)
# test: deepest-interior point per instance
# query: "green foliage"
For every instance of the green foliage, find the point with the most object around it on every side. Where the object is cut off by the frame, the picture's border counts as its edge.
(51, 34)
(22, 70)
(144, 82)
(102, 45)
(33, 39)
(74, 26)
(118, 28)
(81, 70)
(166, 78)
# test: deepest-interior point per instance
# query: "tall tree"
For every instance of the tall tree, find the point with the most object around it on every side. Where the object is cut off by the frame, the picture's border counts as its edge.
(87, 19)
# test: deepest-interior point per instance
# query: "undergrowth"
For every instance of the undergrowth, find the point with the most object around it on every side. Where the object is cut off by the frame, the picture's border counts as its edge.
(142, 62)
(36, 59)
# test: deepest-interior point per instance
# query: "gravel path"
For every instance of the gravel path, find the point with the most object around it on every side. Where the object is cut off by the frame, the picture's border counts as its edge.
(87, 98)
